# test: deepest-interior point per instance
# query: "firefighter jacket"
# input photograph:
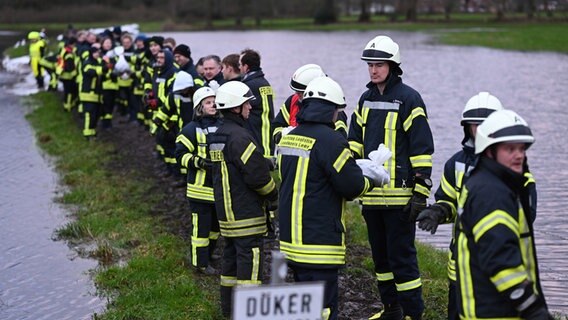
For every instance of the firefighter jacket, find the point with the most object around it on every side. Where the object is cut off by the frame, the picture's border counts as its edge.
(197, 79)
(262, 112)
(67, 64)
(91, 83)
(494, 240)
(37, 51)
(456, 171)
(318, 174)
(241, 179)
(287, 117)
(162, 83)
(397, 118)
(110, 79)
(191, 147)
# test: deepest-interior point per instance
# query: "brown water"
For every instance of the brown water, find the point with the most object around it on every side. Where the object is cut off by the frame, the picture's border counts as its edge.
(533, 84)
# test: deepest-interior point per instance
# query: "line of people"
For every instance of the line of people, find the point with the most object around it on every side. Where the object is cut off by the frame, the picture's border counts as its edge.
(216, 131)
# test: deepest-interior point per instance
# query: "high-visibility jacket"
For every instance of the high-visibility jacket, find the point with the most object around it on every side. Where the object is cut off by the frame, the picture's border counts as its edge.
(494, 240)
(262, 112)
(91, 83)
(318, 174)
(67, 64)
(397, 118)
(241, 179)
(110, 79)
(191, 145)
(37, 51)
(287, 117)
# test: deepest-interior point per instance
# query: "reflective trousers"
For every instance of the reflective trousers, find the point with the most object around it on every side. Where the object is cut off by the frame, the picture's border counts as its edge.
(204, 232)
(391, 237)
(330, 277)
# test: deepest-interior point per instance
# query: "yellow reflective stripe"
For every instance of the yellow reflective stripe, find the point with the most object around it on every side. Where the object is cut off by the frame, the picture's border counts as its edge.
(265, 133)
(491, 220)
(267, 188)
(185, 159)
(385, 276)
(421, 161)
(242, 223)
(364, 117)
(356, 147)
(228, 281)
(342, 159)
(339, 124)
(200, 192)
(285, 114)
(186, 142)
(233, 233)
(214, 235)
(277, 130)
(195, 224)
(202, 152)
(451, 267)
(466, 281)
(416, 112)
(422, 189)
(452, 207)
(227, 202)
(508, 278)
(248, 282)
(326, 313)
(314, 254)
(170, 160)
(248, 152)
(409, 285)
(358, 118)
(390, 143)
(298, 194)
(448, 189)
(89, 97)
(255, 264)
(530, 178)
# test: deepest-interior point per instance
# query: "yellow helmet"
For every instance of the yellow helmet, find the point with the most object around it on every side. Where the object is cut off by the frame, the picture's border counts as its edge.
(33, 35)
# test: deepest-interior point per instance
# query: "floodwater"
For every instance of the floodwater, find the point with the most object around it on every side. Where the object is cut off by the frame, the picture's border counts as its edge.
(533, 84)
(39, 278)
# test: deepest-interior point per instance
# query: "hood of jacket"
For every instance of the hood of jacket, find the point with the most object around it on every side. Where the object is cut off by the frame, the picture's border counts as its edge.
(316, 111)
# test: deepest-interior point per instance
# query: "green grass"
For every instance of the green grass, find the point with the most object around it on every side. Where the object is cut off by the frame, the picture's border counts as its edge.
(152, 280)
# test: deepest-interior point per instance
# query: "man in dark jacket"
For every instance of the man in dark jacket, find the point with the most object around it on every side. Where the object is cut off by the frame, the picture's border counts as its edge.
(497, 268)
(318, 174)
(242, 186)
(262, 112)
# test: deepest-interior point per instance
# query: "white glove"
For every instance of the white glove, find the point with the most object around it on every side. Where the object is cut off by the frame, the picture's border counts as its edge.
(213, 84)
(381, 155)
(287, 130)
(377, 173)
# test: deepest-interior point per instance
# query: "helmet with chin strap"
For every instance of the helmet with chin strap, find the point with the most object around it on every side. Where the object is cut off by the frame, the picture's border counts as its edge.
(232, 94)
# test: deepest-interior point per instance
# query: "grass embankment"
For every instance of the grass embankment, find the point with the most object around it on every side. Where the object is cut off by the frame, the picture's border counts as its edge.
(112, 212)
(143, 270)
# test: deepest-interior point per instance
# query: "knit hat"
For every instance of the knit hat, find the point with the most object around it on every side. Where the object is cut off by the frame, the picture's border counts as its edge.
(183, 50)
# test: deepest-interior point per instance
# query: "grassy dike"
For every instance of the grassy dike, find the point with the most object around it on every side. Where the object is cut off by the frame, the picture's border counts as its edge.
(142, 270)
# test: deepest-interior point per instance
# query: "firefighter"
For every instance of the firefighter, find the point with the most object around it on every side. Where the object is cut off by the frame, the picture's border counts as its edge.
(394, 114)
(475, 111)
(243, 191)
(497, 268)
(318, 175)
(286, 118)
(262, 112)
(37, 51)
(67, 69)
(110, 83)
(192, 153)
(90, 94)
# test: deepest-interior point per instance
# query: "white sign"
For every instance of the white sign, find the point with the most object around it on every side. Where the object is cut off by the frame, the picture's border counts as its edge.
(297, 301)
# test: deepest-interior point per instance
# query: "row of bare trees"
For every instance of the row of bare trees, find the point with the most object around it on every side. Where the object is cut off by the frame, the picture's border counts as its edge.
(322, 11)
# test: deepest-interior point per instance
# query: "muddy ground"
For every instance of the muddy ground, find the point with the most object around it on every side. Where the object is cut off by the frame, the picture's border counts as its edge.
(358, 297)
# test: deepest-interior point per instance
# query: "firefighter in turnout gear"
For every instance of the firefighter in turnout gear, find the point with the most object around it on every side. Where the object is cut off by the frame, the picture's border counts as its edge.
(318, 174)
(91, 90)
(444, 210)
(286, 120)
(67, 69)
(497, 268)
(192, 153)
(394, 114)
(243, 191)
(37, 51)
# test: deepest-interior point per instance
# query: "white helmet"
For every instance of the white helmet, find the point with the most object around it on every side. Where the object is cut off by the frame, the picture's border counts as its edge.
(304, 75)
(502, 126)
(232, 94)
(183, 81)
(381, 48)
(202, 93)
(479, 107)
(327, 89)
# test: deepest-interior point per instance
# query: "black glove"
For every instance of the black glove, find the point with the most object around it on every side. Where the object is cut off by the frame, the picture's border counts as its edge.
(271, 205)
(528, 303)
(272, 163)
(415, 205)
(430, 217)
(201, 163)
